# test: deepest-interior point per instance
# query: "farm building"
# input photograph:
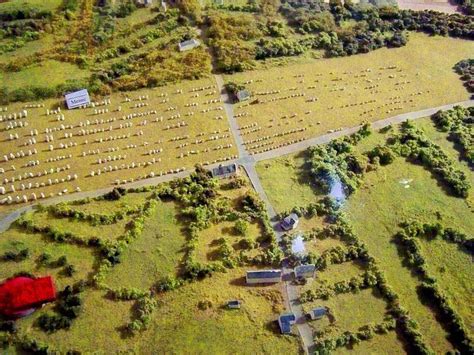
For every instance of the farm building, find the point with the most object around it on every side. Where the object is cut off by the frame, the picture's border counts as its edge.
(77, 99)
(188, 45)
(21, 295)
(242, 95)
(290, 222)
(234, 304)
(305, 271)
(263, 276)
(225, 171)
(318, 313)
(285, 321)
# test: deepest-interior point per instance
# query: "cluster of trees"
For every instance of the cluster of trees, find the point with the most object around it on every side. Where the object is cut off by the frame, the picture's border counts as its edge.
(68, 308)
(430, 290)
(229, 37)
(465, 68)
(335, 161)
(458, 122)
(374, 27)
(144, 307)
(412, 143)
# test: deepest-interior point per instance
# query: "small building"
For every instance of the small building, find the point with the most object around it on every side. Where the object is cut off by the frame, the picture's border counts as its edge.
(263, 276)
(318, 313)
(188, 45)
(234, 304)
(225, 171)
(77, 99)
(242, 95)
(285, 321)
(144, 3)
(305, 271)
(21, 295)
(290, 222)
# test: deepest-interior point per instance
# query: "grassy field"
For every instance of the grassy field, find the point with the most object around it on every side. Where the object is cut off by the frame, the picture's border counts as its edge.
(350, 311)
(200, 137)
(329, 94)
(58, 73)
(284, 174)
(40, 4)
(453, 269)
(157, 253)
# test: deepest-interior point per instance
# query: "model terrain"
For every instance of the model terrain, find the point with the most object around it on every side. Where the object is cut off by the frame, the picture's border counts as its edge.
(215, 177)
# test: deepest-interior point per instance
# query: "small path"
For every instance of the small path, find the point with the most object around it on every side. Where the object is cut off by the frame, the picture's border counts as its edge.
(229, 111)
(292, 292)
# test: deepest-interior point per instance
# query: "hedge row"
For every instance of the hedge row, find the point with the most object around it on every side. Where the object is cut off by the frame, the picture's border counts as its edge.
(429, 289)
(348, 338)
(354, 284)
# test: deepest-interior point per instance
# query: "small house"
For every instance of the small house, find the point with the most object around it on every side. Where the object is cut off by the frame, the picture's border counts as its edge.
(22, 295)
(305, 271)
(188, 45)
(234, 304)
(242, 95)
(318, 313)
(77, 99)
(285, 321)
(263, 276)
(224, 171)
(290, 222)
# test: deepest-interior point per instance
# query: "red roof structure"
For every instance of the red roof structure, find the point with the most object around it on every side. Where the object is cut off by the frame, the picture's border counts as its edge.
(22, 294)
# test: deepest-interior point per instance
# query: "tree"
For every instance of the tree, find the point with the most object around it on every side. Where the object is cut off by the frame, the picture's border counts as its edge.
(269, 8)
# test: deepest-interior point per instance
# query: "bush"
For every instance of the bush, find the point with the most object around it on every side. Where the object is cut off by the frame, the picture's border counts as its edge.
(241, 227)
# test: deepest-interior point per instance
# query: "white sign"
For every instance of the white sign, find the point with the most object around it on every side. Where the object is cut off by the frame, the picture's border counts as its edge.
(77, 98)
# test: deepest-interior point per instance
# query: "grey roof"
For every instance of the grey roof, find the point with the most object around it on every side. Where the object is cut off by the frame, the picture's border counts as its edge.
(303, 269)
(319, 311)
(243, 95)
(190, 43)
(224, 170)
(263, 274)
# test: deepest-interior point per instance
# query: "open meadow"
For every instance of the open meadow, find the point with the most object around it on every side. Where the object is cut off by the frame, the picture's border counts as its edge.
(300, 101)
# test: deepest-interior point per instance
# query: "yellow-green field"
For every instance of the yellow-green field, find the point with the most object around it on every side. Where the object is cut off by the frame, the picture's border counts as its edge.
(299, 101)
(177, 134)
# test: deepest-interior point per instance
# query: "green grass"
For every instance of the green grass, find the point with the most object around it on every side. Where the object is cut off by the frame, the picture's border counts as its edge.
(130, 200)
(351, 311)
(57, 73)
(40, 4)
(286, 182)
(82, 230)
(179, 326)
(386, 344)
(454, 272)
(157, 253)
